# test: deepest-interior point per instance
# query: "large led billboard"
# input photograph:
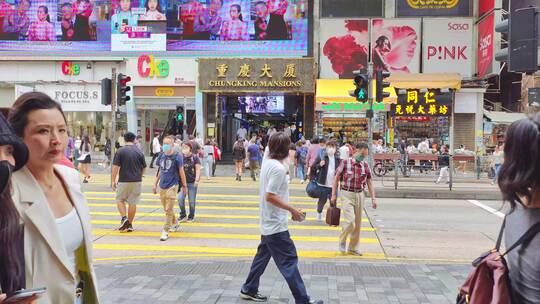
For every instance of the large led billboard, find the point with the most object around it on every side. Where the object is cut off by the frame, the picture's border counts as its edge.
(181, 27)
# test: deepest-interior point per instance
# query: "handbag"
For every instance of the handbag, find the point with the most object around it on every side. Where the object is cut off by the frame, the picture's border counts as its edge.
(312, 189)
(333, 215)
(488, 282)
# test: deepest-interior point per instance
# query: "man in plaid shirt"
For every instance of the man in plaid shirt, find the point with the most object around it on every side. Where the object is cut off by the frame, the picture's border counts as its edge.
(353, 175)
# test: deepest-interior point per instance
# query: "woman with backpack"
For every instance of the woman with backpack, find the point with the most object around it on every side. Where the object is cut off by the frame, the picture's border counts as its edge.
(239, 155)
(519, 181)
(324, 169)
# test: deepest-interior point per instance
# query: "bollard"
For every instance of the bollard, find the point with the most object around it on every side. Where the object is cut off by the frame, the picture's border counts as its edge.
(451, 172)
(396, 173)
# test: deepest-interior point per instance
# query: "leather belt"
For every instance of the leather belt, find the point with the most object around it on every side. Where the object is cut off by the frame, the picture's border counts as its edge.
(352, 190)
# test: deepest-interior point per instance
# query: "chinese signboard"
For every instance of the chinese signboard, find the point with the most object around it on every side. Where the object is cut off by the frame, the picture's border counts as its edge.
(429, 103)
(256, 75)
(148, 66)
(434, 8)
(351, 106)
(448, 46)
(485, 45)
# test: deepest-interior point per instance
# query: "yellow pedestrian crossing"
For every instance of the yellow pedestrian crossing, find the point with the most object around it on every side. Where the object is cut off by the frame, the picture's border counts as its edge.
(226, 226)
(232, 236)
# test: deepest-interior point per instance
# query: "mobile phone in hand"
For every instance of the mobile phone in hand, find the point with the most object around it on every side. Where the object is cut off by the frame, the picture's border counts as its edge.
(24, 294)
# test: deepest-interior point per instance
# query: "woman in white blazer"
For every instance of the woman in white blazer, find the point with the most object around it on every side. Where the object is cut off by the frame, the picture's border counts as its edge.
(57, 232)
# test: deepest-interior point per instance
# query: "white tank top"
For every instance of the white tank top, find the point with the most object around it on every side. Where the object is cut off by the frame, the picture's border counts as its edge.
(71, 232)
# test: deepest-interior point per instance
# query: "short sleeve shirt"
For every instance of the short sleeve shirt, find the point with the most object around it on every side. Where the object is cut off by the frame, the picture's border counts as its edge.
(168, 167)
(254, 152)
(273, 179)
(189, 167)
(131, 162)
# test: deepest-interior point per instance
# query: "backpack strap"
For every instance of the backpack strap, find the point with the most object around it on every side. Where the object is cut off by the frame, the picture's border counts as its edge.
(499, 238)
(525, 238)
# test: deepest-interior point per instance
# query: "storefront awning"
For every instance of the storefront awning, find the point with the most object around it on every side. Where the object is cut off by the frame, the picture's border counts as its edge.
(337, 90)
(503, 118)
(425, 81)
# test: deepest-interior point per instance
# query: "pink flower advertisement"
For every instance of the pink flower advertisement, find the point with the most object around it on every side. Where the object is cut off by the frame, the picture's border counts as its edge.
(395, 45)
(344, 47)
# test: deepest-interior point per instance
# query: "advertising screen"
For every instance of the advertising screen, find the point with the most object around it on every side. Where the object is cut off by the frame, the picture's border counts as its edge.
(261, 104)
(181, 27)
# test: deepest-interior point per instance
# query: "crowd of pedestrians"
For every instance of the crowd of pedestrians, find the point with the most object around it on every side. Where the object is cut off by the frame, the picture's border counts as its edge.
(45, 230)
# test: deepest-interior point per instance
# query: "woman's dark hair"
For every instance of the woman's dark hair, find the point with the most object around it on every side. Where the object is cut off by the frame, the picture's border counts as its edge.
(380, 41)
(278, 146)
(519, 177)
(158, 7)
(239, 9)
(315, 140)
(46, 9)
(292, 146)
(10, 231)
(27, 103)
(208, 142)
(332, 143)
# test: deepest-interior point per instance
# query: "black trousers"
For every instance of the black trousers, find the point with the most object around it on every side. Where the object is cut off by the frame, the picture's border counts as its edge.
(281, 248)
(154, 156)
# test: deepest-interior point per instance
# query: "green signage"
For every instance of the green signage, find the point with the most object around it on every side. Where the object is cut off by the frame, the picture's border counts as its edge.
(352, 106)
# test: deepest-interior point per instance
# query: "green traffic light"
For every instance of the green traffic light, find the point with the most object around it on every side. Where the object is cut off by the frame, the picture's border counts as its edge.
(361, 94)
(180, 117)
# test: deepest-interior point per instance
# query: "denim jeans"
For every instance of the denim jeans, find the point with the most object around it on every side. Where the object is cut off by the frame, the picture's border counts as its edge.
(497, 170)
(300, 171)
(281, 248)
(192, 197)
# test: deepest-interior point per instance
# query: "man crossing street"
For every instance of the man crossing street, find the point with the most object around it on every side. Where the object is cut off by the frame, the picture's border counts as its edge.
(352, 176)
(130, 163)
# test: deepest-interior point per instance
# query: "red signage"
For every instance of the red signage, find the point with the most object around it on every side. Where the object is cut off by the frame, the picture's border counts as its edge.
(485, 6)
(485, 45)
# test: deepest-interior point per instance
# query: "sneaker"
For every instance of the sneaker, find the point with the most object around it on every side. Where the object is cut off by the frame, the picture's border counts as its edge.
(164, 236)
(342, 247)
(253, 297)
(316, 302)
(190, 220)
(182, 219)
(355, 252)
(302, 181)
(174, 228)
(124, 224)
(319, 217)
(130, 228)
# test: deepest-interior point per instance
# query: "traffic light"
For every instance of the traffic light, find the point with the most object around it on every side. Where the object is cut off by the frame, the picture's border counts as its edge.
(122, 88)
(180, 120)
(380, 94)
(521, 28)
(361, 81)
(106, 87)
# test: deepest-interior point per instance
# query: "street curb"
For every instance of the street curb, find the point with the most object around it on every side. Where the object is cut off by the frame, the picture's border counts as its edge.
(444, 194)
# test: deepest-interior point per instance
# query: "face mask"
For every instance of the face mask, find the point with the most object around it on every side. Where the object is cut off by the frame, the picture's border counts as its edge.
(185, 151)
(5, 174)
(359, 157)
(166, 148)
(331, 151)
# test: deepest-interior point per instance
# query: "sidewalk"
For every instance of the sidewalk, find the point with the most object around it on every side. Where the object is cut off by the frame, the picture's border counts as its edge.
(219, 281)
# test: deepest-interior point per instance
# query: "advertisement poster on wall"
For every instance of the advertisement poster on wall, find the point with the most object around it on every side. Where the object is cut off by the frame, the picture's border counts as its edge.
(438, 8)
(485, 6)
(344, 47)
(395, 45)
(229, 27)
(447, 46)
(187, 27)
(485, 45)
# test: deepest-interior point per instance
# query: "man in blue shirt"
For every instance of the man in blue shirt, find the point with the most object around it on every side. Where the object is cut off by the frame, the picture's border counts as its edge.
(170, 174)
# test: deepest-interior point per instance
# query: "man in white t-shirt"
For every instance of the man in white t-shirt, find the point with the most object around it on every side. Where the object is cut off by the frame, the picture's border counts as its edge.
(156, 149)
(276, 241)
(241, 133)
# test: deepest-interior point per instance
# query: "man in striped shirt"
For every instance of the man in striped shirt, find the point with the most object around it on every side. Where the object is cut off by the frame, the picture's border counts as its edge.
(353, 175)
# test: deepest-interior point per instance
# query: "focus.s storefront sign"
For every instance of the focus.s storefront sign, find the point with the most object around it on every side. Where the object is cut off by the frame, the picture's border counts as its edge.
(256, 75)
(76, 98)
(448, 46)
(434, 8)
